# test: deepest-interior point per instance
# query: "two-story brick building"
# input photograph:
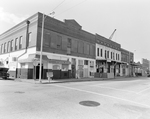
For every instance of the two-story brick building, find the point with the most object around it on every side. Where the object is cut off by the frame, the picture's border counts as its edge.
(67, 49)
(128, 65)
(108, 57)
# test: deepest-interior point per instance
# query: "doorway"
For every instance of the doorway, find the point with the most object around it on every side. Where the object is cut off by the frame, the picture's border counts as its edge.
(37, 68)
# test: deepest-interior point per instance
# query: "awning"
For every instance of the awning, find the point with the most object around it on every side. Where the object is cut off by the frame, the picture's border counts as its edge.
(134, 64)
(36, 57)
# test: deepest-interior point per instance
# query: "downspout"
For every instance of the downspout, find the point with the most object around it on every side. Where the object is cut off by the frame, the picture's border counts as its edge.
(27, 43)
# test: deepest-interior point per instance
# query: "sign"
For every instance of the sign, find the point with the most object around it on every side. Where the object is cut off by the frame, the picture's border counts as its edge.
(49, 74)
(35, 62)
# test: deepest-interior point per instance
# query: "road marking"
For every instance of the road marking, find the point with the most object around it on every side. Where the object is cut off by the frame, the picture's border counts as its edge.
(143, 90)
(101, 95)
(117, 89)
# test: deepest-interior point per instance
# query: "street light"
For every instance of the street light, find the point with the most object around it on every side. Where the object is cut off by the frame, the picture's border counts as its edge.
(41, 50)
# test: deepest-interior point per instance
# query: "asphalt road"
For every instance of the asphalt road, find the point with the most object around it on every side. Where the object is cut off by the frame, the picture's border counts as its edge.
(110, 99)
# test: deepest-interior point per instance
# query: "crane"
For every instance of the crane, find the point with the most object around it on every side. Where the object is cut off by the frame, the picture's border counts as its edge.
(112, 34)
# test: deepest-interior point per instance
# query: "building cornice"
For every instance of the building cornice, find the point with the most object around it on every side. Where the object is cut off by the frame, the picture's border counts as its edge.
(19, 26)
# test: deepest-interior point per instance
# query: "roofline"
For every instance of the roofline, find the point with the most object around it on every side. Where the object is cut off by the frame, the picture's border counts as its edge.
(19, 23)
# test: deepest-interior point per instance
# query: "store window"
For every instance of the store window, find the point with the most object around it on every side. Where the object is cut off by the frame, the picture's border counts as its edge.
(85, 62)
(56, 67)
(65, 67)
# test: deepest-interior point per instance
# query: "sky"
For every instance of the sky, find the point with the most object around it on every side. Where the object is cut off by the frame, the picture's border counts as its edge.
(131, 18)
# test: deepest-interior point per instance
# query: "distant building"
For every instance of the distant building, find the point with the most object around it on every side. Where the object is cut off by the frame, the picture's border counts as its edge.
(146, 65)
(127, 66)
(108, 57)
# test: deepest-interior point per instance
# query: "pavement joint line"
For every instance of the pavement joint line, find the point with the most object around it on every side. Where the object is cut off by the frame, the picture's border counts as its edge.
(143, 90)
(81, 90)
(117, 89)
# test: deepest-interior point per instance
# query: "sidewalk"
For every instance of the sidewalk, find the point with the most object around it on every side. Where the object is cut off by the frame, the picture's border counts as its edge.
(46, 81)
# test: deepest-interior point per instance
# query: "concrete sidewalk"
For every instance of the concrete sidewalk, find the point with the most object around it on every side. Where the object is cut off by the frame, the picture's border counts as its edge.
(46, 81)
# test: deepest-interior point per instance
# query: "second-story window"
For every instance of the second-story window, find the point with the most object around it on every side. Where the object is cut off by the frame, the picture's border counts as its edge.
(59, 42)
(105, 54)
(20, 42)
(116, 56)
(69, 43)
(5, 47)
(30, 35)
(111, 55)
(11, 45)
(97, 51)
(2, 48)
(101, 52)
(8, 46)
(16, 43)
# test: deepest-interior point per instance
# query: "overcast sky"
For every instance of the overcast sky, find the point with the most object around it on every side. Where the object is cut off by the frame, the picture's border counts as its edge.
(131, 18)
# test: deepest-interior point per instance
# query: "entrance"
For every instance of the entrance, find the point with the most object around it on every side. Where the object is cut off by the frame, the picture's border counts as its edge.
(37, 68)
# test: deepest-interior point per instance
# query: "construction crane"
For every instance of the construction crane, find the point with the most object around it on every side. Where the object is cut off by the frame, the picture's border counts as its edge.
(112, 34)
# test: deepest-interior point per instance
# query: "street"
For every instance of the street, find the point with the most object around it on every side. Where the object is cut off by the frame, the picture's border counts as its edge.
(106, 99)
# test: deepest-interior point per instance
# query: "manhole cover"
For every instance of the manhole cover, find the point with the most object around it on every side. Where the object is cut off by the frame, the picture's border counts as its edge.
(89, 103)
(19, 92)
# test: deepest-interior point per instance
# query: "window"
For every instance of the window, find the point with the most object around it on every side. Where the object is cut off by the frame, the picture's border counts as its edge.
(20, 42)
(86, 48)
(80, 47)
(85, 62)
(107, 54)
(16, 43)
(92, 50)
(8, 46)
(111, 55)
(97, 51)
(5, 47)
(65, 67)
(101, 52)
(59, 41)
(47, 39)
(91, 63)
(80, 62)
(69, 43)
(116, 56)
(74, 47)
(11, 45)
(2, 48)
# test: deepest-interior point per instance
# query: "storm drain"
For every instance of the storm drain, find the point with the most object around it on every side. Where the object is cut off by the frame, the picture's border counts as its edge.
(89, 103)
(19, 92)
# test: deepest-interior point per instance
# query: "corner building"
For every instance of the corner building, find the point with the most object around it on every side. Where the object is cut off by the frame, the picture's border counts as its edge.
(68, 51)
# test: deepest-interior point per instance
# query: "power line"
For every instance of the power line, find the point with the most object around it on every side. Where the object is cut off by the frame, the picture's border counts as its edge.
(58, 5)
(71, 8)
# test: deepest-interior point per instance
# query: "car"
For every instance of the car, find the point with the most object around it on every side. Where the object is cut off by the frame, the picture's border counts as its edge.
(4, 72)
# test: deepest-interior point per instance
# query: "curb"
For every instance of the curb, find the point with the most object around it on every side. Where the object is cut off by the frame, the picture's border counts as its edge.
(46, 81)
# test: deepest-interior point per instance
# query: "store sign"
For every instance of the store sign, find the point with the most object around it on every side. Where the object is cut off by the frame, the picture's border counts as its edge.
(58, 61)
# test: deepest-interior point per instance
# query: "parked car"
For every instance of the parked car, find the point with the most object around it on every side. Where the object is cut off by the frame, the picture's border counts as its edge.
(4, 72)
